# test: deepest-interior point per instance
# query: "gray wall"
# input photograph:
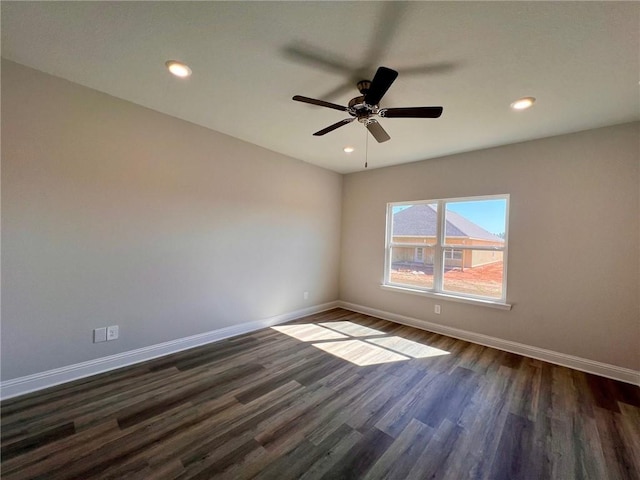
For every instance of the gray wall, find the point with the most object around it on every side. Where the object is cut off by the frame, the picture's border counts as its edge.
(116, 214)
(573, 265)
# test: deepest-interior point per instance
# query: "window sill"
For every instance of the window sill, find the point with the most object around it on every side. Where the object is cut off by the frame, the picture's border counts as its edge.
(447, 297)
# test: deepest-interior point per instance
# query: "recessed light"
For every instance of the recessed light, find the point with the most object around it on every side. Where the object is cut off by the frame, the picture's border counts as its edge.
(348, 149)
(523, 103)
(179, 69)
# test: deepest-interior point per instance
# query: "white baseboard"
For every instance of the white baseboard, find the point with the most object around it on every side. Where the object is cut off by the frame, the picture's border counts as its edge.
(577, 363)
(38, 381)
(31, 383)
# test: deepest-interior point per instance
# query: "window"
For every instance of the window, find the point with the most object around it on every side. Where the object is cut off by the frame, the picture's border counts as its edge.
(454, 247)
(452, 253)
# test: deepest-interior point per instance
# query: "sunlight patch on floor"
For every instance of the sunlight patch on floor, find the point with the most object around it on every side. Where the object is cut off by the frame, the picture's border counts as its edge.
(359, 352)
(352, 329)
(348, 340)
(309, 332)
(407, 347)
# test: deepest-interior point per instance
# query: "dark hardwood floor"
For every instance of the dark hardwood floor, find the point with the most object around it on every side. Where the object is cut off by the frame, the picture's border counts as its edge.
(309, 400)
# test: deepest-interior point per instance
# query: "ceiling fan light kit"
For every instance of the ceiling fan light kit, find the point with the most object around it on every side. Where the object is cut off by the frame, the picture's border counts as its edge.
(366, 106)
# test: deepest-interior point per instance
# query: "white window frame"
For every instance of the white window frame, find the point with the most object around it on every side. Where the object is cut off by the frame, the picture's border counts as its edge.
(439, 250)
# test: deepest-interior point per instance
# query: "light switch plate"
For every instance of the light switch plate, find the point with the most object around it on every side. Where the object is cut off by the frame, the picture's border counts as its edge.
(112, 332)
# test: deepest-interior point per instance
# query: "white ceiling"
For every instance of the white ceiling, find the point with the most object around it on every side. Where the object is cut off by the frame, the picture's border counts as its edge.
(579, 59)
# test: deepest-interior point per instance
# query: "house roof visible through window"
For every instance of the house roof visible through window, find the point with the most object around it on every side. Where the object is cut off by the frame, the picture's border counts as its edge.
(421, 221)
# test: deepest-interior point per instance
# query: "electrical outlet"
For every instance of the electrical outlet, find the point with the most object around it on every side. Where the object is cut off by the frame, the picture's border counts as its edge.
(437, 309)
(306, 295)
(112, 332)
(100, 335)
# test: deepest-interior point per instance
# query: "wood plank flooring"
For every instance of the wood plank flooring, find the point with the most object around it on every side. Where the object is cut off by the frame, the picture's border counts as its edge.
(337, 395)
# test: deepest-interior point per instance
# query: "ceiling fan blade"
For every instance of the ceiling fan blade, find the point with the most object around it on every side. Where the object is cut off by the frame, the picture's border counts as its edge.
(411, 112)
(320, 103)
(377, 131)
(323, 59)
(331, 128)
(388, 26)
(381, 82)
(336, 92)
(430, 68)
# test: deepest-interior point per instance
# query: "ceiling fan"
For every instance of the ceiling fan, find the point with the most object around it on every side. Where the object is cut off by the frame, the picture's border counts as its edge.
(365, 106)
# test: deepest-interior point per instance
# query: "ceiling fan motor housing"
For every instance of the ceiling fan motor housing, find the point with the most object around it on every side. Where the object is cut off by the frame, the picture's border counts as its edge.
(364, 86)
(358, 108)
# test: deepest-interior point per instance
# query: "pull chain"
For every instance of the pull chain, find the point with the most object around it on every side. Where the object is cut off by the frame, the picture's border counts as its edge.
(366, 148)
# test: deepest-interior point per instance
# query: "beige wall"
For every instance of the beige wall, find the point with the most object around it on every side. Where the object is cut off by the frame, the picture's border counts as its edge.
(116, 214)
(571, 196)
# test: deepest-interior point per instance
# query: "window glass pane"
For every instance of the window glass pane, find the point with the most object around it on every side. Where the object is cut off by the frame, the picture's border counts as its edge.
(412, 266)
(476, 272)
(469, 252)
(478, 222)
(414, 223)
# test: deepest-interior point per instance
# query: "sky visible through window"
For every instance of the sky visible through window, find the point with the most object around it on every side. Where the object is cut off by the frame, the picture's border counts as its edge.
(489, 214)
